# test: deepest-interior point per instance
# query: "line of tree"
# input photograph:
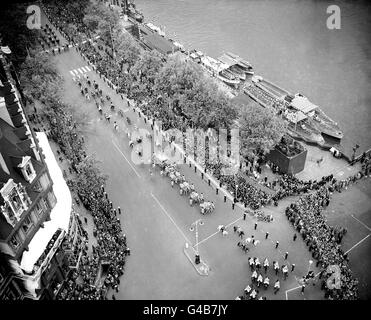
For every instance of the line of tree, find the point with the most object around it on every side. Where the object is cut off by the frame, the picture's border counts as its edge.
(178, 89)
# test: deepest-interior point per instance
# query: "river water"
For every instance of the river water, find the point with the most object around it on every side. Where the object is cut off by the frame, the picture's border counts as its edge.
(287, 42)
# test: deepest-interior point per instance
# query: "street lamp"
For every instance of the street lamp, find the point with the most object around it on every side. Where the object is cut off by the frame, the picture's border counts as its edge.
(194, 226)
(310, 264)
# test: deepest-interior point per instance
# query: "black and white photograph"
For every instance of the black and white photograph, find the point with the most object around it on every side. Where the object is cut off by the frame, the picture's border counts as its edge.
(187, 154)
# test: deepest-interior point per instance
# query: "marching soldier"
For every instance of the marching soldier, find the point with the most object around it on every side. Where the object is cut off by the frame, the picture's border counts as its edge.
(260, 280)
(276, 286)
(276, 267)
(266, 282)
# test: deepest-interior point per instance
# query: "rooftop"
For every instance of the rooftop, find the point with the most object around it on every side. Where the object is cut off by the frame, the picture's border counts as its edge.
(303, 104)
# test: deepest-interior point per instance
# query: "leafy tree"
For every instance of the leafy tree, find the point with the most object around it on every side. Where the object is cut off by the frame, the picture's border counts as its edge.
(194, 96)
(144, 74)
(39, 77)
(127, 50)
(260, 129)
(100, 19)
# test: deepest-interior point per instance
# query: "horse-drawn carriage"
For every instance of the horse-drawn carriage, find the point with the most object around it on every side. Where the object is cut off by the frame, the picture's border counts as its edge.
(195, 197)
(169, 168)
(159, 160)
(176, 177)
(185, 188)
(207, 207)
(262, 216)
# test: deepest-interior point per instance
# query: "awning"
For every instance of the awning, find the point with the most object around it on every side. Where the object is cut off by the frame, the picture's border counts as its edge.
(303, 104)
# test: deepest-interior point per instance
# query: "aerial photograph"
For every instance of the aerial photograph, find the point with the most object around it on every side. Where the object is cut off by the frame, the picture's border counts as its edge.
(201, 152)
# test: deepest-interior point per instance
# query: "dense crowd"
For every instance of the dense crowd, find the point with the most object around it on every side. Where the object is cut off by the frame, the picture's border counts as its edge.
(324, 241)
(68, 22)
(87, 281)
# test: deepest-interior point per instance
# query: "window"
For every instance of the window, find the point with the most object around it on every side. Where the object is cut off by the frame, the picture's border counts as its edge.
(29, 170)
(15, 242)
(44, 180)
(16, 200)
(27, 225)
(45, 204)
(38, 208)
(37, 186)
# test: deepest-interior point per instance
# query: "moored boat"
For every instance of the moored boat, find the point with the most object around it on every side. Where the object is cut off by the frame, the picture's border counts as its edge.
(228, 77)
(240, 62)
(238, 72)
(219, 70)
(316, 117)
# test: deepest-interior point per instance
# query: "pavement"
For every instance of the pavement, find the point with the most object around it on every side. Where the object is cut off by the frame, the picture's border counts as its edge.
(157, 219)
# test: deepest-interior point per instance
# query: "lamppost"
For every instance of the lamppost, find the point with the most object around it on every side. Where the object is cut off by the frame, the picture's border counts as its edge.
(310, 264)
(194, 226)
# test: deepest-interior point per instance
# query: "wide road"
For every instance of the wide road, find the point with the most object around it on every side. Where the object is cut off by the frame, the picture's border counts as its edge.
(157, 219)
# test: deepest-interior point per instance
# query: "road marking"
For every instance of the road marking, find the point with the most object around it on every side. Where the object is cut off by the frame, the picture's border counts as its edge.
(359, 242)
(72, 73)
(292, 289)
(172, 220)
(83, 68)
(88, 68)
(136, 172)
(287, 291)
(366, 226)
(80, 70)
(210, 236)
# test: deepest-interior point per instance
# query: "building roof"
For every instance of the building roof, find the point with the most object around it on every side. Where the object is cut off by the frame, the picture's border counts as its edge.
(15, 144)
(12, 155)
(303, 104)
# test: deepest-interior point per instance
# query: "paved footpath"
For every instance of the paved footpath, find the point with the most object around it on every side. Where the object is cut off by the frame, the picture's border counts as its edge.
(157, 220)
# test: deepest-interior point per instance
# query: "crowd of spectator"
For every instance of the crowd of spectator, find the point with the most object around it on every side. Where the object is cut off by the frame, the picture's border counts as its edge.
(67, 20)
(324, 241)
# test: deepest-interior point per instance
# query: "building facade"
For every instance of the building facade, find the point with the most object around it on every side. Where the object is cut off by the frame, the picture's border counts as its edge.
(27, 203)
